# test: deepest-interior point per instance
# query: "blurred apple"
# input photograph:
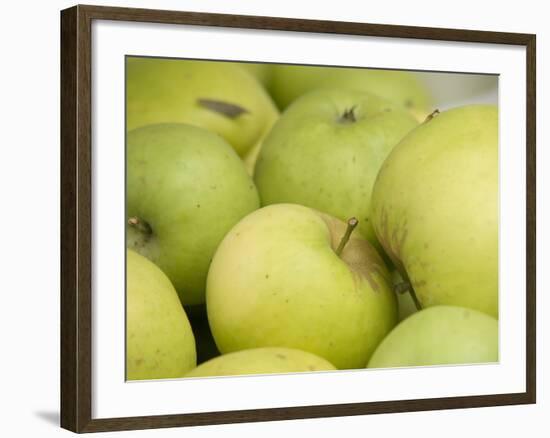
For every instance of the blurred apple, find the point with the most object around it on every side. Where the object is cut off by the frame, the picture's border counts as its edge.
(261, 361)
(186, 187)
(261, 71)
(404, 89)
(219, 96)
(159, 340)
(288, 276)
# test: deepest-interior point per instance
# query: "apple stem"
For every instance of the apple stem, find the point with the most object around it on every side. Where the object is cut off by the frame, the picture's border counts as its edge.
(432, 115)
(405, 286)
(352, 223)
(140, 225)
(348, 116)
(415, 299)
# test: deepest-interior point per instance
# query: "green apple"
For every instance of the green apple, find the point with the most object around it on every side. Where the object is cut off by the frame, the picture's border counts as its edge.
(261, 361)
(435, 208)
(218, 96)
(325, 151)
(261, 71)
(440, 335)
(284, 276)
(405, 89)
(186, 187)
(159, 340)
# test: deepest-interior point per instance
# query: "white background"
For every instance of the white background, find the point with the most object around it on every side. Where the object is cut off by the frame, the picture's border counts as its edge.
(29, 219)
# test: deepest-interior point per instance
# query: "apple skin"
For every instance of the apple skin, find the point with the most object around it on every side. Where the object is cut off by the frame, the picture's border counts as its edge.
(190, 187)
(276, 280)
(159, 339)
(404, 89)
(314, 157)
(261, 71)
(439, 335)
(435, 208)
(261, 361)
(170, 91)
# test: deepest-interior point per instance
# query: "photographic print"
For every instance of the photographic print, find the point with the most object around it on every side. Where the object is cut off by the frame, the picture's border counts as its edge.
(270, 218)
(294, 218)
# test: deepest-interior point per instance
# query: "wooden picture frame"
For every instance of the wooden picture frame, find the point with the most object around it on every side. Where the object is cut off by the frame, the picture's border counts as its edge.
(76, 217)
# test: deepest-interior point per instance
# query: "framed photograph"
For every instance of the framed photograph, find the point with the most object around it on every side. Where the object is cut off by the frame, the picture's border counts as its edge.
(269, 218)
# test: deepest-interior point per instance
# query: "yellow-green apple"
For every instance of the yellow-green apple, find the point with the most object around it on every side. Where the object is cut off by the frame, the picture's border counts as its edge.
(290, 276)
(218, 96)
(435, 208)
(439, 335)
(325, 151)
(186, 187)
(261, 71)
(159, 340)
(405, 89)
(270, 360)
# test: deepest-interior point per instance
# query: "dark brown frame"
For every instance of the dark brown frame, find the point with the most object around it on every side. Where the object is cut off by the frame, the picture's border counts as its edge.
(76, 237)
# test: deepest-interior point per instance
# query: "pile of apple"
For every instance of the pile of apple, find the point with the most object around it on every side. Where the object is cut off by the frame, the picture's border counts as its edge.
(290, 218)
